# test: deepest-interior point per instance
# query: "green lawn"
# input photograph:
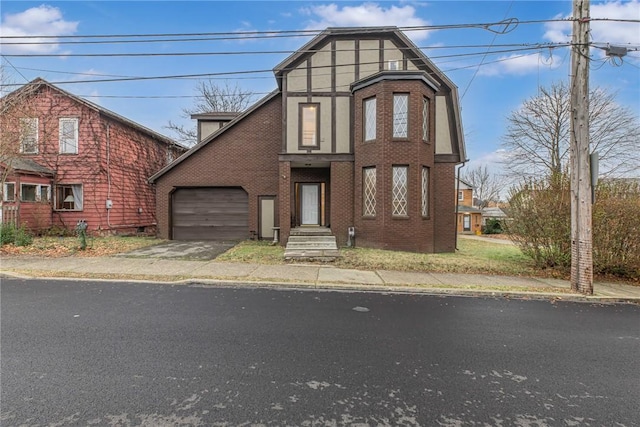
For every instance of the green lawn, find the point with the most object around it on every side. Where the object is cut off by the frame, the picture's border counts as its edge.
(472, 257)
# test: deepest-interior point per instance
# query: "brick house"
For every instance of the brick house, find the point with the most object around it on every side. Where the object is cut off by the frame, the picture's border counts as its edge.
(469, 217)
(363, 131)
(66, 159)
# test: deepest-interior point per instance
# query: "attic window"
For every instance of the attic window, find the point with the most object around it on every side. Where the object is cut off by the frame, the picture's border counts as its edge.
(29, 135)
(68, 136)
(394, 65)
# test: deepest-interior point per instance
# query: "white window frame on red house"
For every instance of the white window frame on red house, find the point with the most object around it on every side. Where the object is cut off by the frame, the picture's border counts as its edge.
(9, 195)
(68, 137)
(38, 192)
(29, 135)
(75, 191)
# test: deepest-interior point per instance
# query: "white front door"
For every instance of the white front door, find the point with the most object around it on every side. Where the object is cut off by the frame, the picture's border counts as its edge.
(310, 207)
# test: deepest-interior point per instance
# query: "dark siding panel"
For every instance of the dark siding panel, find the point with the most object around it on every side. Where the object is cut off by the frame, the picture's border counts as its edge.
(210, 214)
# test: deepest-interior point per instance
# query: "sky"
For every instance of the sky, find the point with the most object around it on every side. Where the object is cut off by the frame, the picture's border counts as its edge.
(495, 66)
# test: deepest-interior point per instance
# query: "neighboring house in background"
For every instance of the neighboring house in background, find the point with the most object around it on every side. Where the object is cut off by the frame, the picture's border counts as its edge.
(493, 212)
(75, 160)
(363, 131)
(469, 216)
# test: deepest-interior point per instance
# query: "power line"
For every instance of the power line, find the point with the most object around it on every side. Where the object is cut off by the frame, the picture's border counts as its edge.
(161, 54)
(507, 24)
(244, 72)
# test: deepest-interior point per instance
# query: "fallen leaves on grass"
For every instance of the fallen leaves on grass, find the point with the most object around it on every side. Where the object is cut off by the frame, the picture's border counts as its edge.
(55, 247)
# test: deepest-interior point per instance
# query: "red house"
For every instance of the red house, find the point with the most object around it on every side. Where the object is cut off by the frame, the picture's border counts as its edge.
(362, 135)
(64, 159)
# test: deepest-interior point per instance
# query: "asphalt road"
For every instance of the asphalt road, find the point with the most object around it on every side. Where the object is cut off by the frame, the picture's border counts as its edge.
(102, 353)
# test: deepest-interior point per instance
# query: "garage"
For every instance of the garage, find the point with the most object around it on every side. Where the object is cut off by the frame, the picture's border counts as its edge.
(210, 213)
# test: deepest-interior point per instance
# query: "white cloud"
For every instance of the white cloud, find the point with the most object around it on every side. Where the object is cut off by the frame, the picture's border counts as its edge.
(614, 32)
(365, 15)
(42, 20)
(620, 33)
(521, 64)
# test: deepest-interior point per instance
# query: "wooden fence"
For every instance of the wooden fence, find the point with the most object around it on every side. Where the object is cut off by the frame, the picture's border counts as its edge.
(9, 215)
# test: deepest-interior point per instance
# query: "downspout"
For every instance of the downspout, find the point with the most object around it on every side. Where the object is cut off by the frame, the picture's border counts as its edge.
(458, 201)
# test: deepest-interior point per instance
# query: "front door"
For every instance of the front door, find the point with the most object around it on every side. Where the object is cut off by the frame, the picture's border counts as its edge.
(466, 226)
(310, 206)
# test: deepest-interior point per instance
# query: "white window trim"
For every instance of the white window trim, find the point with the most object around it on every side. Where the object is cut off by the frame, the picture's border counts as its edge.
(369, 184)
(5, 192)
(75, 135)
(39, 188)
(426, 106)
(393, 65)
(460, 195)
(400, 130)
(75, 203)
(35, 126)
(400, 192)
(368, 102)
(425, 178)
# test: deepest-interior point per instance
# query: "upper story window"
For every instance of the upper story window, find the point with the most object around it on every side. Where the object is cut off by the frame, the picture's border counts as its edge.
(399, 191)
(34, 193)
(460, 195)
(29, 135)
(309, 125)
(369, 191)
(9, 192)
(68, 136)
(425, 119)
(400, 115)
(393, 65)
(370, 119)
(69, 197)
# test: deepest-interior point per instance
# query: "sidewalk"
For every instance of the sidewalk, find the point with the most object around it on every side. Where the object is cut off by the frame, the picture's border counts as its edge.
(308, 276)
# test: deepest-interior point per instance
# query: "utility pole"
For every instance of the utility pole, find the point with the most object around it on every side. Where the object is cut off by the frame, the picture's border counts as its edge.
(581, 218)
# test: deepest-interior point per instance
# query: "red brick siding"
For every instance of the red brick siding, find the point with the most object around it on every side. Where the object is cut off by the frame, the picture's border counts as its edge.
(413, 232)
(443, 178)
(245, 155)
(342, 198)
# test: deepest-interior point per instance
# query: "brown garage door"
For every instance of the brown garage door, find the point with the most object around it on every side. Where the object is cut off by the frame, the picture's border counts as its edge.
(212, 213)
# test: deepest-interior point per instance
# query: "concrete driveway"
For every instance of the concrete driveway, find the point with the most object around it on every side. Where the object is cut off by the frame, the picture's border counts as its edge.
(176, 249)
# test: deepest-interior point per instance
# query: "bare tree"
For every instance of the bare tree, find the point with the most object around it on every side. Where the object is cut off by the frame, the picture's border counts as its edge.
(211, 97)
(486, 186)
(537, 137)
(12, 109)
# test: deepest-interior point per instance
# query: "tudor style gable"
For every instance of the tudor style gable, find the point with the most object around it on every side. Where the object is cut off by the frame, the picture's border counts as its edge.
(317, 84)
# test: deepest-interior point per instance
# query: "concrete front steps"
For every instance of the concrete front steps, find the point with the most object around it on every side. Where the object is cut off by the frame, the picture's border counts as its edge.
(312, 243)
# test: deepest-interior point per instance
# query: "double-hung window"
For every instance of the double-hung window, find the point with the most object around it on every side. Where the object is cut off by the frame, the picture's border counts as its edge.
(370, 119)
(309, 125)
(68, 136)
(400, 115)
(69, 197)
(9, 192)
(29, 135)
(35, 193)
(399, 191)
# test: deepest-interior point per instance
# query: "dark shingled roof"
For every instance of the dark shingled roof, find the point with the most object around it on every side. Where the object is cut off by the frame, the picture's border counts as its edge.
(22, 164)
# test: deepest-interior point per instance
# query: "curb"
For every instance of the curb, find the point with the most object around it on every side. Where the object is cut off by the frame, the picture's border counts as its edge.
(344, 287)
